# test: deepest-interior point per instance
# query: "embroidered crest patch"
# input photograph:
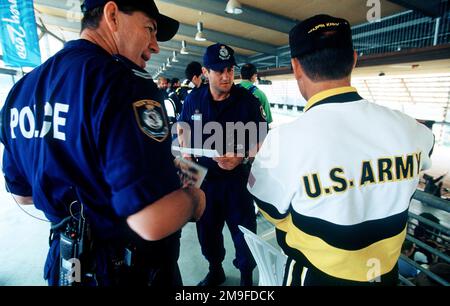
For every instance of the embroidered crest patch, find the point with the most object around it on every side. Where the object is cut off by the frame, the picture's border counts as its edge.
(151, 119)
(224, 54)
(263, 113)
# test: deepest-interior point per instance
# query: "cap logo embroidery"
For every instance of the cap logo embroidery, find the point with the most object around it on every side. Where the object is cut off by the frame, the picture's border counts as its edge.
(224, 54)
(324, 25)
(151, 119)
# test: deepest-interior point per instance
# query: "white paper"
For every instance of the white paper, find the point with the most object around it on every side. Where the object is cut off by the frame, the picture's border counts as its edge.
(191, 172)
(197, 152)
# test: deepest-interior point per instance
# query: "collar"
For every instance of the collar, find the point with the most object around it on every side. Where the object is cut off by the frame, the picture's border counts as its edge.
(246, 83)
(229, 98)
(84, 44)
(335, 95)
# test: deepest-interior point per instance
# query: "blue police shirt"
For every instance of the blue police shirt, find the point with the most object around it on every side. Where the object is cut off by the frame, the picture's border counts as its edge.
(89, 125)
(240, 106)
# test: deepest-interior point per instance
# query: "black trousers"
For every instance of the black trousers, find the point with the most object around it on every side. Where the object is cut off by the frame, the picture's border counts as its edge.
(227, 200)
(154, 263)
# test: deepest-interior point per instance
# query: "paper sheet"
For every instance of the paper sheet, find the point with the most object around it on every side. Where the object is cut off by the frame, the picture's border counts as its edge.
(197, 152)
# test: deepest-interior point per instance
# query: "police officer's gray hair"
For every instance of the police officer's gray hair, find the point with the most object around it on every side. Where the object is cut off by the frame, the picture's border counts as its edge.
(91, 19)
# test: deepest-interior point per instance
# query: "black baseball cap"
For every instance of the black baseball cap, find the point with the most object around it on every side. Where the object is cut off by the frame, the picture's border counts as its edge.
(219, 56)
(319, 32)
(167, 27)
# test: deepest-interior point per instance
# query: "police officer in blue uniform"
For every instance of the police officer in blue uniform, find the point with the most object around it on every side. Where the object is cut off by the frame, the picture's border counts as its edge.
(89, 127)
(225, 185)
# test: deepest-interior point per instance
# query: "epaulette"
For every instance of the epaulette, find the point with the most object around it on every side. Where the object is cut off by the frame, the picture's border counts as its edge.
(141, 74)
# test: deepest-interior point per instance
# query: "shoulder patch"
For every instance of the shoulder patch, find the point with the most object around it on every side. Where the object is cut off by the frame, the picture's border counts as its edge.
(263, 113)
(141, 74)
(151, 119)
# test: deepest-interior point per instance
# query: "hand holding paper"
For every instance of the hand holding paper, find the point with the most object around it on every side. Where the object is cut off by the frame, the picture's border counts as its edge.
(191, 174)
(229, 161)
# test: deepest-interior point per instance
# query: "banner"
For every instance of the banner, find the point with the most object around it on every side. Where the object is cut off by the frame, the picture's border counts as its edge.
(18, 33)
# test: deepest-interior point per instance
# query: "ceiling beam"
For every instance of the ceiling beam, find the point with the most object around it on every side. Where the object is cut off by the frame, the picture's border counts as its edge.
(195, 50)
(430, 7)
(283, 51)
(168, 73)
(214, 36)
(8, 71)
(185, 29)
(178, 66)
(164, 54)
(176, 45)
(62, 5)
(156, 67)
(249, 15)
(172, 72)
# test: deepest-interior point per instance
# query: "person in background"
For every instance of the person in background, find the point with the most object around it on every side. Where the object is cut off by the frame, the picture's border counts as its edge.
(175, 84)
(406, 269)
(163, 85)
(193, 80)
(222, 103)
(249, 76)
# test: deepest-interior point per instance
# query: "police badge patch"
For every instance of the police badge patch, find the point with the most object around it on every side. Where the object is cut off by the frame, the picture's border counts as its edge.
(263, 113)
(151, 119)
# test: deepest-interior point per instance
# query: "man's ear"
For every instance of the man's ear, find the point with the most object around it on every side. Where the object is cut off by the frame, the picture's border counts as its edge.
(205, 72)
(297, 68)
(111, 14)
(355, 59)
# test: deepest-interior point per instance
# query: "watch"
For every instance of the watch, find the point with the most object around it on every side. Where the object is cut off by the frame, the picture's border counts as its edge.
(246, 160)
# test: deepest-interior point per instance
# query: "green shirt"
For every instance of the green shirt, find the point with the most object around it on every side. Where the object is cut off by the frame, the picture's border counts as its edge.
(261, 97)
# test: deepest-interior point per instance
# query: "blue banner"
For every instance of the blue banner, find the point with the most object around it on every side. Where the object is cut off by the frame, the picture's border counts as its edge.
(18, 33)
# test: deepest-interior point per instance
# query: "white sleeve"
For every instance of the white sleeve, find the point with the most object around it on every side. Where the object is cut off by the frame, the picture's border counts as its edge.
(427, 143)
(272, 179)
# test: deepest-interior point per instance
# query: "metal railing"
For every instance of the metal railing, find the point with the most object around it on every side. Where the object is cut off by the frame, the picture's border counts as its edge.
(436, 230)
(406, 30)
(432, 201)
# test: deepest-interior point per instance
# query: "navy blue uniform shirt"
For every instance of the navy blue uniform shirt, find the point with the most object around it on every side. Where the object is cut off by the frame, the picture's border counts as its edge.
(90, 125)
(240, 106)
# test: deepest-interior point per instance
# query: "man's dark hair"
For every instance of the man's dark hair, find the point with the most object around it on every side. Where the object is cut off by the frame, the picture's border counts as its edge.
(91, 19)
(193, 69)
(175, 80)
(247, 71)
(328, 64)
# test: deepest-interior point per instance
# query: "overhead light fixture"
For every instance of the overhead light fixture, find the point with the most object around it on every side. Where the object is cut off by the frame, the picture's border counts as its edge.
(233, 7)
(168, 63)
(200, 36)
(174, 58)
(183, 48)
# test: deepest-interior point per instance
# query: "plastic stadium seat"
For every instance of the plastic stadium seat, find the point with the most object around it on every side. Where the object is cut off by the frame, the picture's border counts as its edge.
(270, 261)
